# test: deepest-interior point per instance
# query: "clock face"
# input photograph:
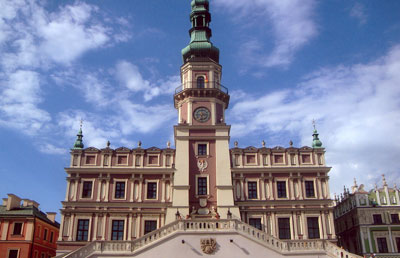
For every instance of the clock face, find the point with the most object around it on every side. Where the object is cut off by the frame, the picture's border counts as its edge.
(202, 114)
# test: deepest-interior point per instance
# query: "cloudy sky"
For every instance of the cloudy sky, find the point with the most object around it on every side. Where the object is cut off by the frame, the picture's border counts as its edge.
(115, 64)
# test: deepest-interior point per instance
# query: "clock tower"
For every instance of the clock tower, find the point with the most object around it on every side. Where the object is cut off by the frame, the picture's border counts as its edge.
(202, 186)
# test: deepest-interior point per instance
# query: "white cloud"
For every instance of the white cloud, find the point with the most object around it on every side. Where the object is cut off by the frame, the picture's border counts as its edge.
(51, 149)
(129, 75)
(358, 12)
(358, 115)
(19, 100)
(292, 25)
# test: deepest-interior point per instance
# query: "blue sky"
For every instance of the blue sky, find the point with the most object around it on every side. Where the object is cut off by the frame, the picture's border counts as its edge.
(115, 64)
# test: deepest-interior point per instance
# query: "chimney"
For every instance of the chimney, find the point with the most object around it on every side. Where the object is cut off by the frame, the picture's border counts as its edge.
(25, 202)
(13, 202)
(5, 201)
(51, 216)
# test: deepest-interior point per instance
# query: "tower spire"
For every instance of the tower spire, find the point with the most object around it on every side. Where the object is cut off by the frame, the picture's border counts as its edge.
(200, 33)
(316, 142)
(79, 143)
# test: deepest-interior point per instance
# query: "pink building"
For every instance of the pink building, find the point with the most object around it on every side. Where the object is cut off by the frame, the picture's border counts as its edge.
(202, 196)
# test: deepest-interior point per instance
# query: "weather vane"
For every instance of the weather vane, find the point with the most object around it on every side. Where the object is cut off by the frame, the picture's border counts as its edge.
(313, 123)
(81, 122)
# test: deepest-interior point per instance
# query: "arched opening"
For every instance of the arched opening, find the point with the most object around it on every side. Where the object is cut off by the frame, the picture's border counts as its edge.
(200, 82)
(199, 21)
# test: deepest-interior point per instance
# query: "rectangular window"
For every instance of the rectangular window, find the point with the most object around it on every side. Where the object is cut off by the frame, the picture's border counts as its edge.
(252, 190)
(45, 234)
(82, 232)
(281, 189)
(202, 149)
(309, 189)
(398, 244)
(90, 159)
(117, 231)
(255, 222)
(51, 236)
(119, 190)
(284, 228)
(17, 228)
(313, 228)
(122, 160)
(251, 159)
(395, 218)
(153, 159)
(306, 158)
(13, 253)
(377, 219)
(137, 160)
(202, 186)
(382, 245)
(278, 159)
(150, 225)
(87, 189)
(151, 190)
(167, 160)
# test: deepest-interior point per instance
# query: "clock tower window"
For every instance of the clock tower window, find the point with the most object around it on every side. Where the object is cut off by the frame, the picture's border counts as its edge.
(202, 149)
(200, 82)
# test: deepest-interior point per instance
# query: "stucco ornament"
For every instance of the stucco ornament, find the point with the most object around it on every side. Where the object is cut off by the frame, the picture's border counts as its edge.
(202, 164)
(208, 245)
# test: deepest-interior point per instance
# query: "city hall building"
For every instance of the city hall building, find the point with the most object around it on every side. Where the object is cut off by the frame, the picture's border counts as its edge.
(201, 198)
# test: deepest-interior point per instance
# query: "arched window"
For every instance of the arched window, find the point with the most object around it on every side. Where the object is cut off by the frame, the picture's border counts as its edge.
(199, 21)
(200, 82)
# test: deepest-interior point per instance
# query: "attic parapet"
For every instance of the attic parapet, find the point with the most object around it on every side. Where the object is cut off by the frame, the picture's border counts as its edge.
(123, 157)
(252, 157)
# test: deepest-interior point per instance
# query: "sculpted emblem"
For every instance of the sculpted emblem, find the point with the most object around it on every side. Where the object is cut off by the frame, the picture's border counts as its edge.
(202, 165)
(208, 245)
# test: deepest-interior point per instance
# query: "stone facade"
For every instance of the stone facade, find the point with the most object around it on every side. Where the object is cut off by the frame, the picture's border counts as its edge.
(367, 222)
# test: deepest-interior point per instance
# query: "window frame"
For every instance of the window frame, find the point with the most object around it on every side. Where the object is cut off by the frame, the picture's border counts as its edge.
(202, 151)
(278, 191)
(250, 219)
(21, 229)
(202, 189)
(79, 237)
(315, 229)
(83, 189)
(378, 221)
(119, 231)
(153, 164)
(122, 155)
(382, 248)
(86, 160)
(197, 149)
(313, 188)
(253, 191)
(45, 232)
(394, 217)
(144, 225)
(198, 80)
(147, 182)
(197, 185)
(255, 163)
(12, 249)
(118, 181)
(287, 229)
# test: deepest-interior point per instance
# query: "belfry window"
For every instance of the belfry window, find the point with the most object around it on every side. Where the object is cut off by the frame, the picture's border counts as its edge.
(199, 21)
(200, 82)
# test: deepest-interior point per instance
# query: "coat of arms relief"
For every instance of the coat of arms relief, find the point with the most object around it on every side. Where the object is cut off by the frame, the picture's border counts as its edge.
(208, 245)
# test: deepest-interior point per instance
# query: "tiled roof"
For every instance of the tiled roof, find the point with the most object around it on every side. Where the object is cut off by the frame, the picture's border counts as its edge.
(28, 211)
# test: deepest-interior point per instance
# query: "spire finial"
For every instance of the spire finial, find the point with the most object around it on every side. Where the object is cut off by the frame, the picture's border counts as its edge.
(355, 182)
(316, 142)
(79, 142)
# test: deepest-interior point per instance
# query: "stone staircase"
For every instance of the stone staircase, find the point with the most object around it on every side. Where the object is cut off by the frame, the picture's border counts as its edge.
(212, 226)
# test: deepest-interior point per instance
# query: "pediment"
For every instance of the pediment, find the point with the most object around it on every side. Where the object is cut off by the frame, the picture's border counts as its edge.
(91, 149)
(306, 148)
(154, 149)
(251, 149)
(122, 149)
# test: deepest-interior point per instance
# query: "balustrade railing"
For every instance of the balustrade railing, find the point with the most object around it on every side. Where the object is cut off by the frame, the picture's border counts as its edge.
(281, 246)
(205, 85)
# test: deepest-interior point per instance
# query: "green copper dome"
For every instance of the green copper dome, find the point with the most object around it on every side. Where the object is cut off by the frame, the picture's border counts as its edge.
(316, 142)
(79, 143)
(200, 33)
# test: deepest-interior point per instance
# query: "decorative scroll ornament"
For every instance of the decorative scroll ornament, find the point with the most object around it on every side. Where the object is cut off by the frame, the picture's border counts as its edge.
(208, 245)
(202, 165)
